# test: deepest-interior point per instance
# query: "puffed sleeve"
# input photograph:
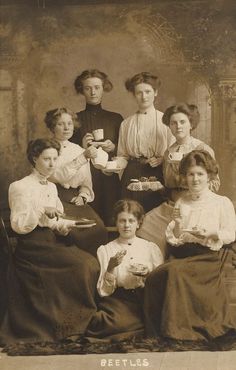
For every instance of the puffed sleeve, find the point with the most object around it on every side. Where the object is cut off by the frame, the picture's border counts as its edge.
(27, 211)
(122, 149)
(156, 255)
(107, 282)
(65, 172)
(227, 221)
(25, 214)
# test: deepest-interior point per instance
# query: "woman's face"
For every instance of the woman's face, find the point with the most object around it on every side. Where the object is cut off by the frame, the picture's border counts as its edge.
(64, 127)
(144, 95)
(46, 162)
(93, 90)
(127, 225)
(180, 126)
(197, 179)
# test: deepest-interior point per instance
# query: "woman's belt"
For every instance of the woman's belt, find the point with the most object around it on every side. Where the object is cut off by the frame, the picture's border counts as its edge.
(142, 160)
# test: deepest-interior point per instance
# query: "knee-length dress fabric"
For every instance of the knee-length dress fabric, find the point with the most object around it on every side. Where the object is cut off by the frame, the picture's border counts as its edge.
(185, 298)
(73, 177)
(106, 188)
(120, 307)
(51, 284)
(155, 222)
(142, 136)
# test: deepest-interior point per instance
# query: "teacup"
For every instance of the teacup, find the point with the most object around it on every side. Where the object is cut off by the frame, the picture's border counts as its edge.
(175, 156)
(98, 134)
(101, 160)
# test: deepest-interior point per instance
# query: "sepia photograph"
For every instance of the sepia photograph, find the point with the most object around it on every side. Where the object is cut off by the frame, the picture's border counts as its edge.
(118, 184)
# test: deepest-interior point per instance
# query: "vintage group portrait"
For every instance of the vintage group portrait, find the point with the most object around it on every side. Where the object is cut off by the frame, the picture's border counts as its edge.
(117, 178)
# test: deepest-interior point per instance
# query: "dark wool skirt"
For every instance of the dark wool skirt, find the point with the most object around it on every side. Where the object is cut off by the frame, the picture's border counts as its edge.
(134, 170)
(107, 193)
(51, 288)
(86, 239)
(185, 298)
(119, 315)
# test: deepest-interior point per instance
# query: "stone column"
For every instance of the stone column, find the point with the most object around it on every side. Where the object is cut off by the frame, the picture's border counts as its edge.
(224, 134)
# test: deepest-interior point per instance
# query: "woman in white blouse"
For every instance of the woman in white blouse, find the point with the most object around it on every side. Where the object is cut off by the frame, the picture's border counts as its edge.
(143, 139)
(73, 178)
(124, 265)
(182, 119)
(52, 283)
(192, 302)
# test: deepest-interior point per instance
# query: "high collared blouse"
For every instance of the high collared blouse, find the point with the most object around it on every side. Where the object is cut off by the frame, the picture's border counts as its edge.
(73, 170)
(211, 212)
(95, 117)
(140, 251)
(28, 198)
(144, 135)
(171, 168)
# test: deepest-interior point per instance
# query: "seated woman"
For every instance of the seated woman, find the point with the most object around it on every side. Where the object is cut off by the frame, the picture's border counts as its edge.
(73, 178)
(182, 119)
(143, 139)
(185, 297)
(124, 265)
(51, 282)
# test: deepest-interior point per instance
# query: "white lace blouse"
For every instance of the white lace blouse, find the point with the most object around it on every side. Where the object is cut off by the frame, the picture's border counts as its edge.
(140, 251)
(144, 135)
(28, 198)
(73, 170)
(210, 212)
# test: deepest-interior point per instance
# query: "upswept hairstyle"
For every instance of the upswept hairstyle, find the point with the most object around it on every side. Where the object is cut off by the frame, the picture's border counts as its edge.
(199, 158)
(88, 73)
(143, 77)
(36, 147)
(52, 116)
(130, 206)
(190, 110)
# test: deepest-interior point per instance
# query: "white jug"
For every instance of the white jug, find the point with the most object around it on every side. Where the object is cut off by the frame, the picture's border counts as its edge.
(101, 160)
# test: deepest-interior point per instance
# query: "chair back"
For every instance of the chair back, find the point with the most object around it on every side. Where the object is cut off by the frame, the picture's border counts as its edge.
(4, 238)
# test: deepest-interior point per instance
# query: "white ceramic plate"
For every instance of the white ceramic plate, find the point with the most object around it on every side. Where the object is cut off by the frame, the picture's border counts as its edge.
(84, 226)
(115, 170)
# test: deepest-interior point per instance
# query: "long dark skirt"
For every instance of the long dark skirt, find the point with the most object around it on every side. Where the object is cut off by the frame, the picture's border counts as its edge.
(185, 298)
(51, 288)
(107, 193)
(119, 315)
(87, 239)
(134, 170)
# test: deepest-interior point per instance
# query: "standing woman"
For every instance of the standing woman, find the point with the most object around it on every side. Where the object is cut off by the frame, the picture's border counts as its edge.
(73, 179)
(92, 84)
(51, 282)
(143, 139)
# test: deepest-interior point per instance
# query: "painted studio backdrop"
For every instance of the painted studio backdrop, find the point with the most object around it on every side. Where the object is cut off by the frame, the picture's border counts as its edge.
(190, 45)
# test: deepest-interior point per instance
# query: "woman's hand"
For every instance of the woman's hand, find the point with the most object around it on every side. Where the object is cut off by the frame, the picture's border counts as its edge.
(87, 140)
(52, 212)
(177, 217)
(116, 260)
(201, 232)
(90, 152)
(65, 228)
(155, 161)
(78, 200)
(108, 146)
